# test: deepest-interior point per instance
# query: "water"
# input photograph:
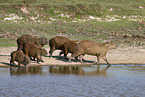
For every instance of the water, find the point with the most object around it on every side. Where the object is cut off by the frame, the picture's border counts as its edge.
(45, 81)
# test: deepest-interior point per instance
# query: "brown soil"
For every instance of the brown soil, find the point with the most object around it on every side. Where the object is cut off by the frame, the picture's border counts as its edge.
(115, 56)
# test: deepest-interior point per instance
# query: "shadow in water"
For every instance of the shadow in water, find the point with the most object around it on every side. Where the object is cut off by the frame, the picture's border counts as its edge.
(77, 70)
(29, 70)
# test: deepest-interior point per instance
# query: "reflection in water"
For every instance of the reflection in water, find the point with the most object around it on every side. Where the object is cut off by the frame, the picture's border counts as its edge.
(66, 70)
(29, 70)
(78, 70)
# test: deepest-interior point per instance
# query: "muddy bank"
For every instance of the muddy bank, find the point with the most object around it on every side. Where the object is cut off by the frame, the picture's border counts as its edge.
(115, 56)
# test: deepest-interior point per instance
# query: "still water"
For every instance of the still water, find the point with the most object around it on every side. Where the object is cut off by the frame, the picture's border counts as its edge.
(49, 81)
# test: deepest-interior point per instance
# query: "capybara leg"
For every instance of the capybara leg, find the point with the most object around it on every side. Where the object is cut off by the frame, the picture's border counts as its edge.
(74, 55)
(18, 64)
(38, 61)
(81, 58)
(105, 59)
(76, 58)
(51, 51)
(12, 62)
(70, 59)
(60, 54)
(31, 58)
(65, 56)
(42, 61)
(98, 60)
(98, 63)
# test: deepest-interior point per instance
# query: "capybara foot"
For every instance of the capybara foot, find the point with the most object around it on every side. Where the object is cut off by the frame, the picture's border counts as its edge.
(42, 61)
(38, 62)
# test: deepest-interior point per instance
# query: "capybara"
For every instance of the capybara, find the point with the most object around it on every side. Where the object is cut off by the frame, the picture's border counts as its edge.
(56, 43)
(20, 57)
(24, 39)
(32, 50)
(43, 52)
(69, 47)
(93, 48)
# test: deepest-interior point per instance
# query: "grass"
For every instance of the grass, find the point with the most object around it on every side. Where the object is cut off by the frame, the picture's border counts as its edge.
(7, 42)
(55, 17)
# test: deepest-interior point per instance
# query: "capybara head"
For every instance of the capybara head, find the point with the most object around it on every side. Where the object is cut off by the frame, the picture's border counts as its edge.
(43, 41)
(43, 52)
(111, 45)
(26, 60)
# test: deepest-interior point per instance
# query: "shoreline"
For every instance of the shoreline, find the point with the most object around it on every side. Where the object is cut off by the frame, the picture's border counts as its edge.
(119, 56)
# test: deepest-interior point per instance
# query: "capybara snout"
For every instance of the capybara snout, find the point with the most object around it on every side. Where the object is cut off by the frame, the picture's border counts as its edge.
(43, 41)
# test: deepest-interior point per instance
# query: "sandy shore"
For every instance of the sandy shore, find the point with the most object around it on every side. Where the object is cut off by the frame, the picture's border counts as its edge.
(114, 56)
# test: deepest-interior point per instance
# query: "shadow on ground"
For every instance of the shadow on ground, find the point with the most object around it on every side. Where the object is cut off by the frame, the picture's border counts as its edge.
(67, 60)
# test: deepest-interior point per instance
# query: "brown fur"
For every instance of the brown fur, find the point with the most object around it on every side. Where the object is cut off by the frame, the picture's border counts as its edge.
(20, 57)
(56, 43)
(93, 48)
(24, 39)
(69, 47)
(32, 50)
(43, 52)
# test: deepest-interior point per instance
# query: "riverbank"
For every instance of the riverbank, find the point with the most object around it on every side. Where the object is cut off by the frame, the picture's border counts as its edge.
(115, 56)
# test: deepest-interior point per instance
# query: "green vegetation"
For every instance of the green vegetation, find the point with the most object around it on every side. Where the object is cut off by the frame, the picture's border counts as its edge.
(120, 21)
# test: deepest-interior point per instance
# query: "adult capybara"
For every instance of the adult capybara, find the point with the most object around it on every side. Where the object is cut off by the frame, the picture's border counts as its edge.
(56, 43)
(24, 39)
(69, 47)
(20, 57)
(93, 48)
(32, 50)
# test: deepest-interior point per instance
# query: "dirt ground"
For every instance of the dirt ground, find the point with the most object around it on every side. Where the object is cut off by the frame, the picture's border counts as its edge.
(115, 56)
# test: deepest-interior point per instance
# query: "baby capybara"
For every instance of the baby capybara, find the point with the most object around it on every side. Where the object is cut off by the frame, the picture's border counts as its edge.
(93, 48)
(32, 50)
(20, 57)
(56, 43)
(24, 39)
